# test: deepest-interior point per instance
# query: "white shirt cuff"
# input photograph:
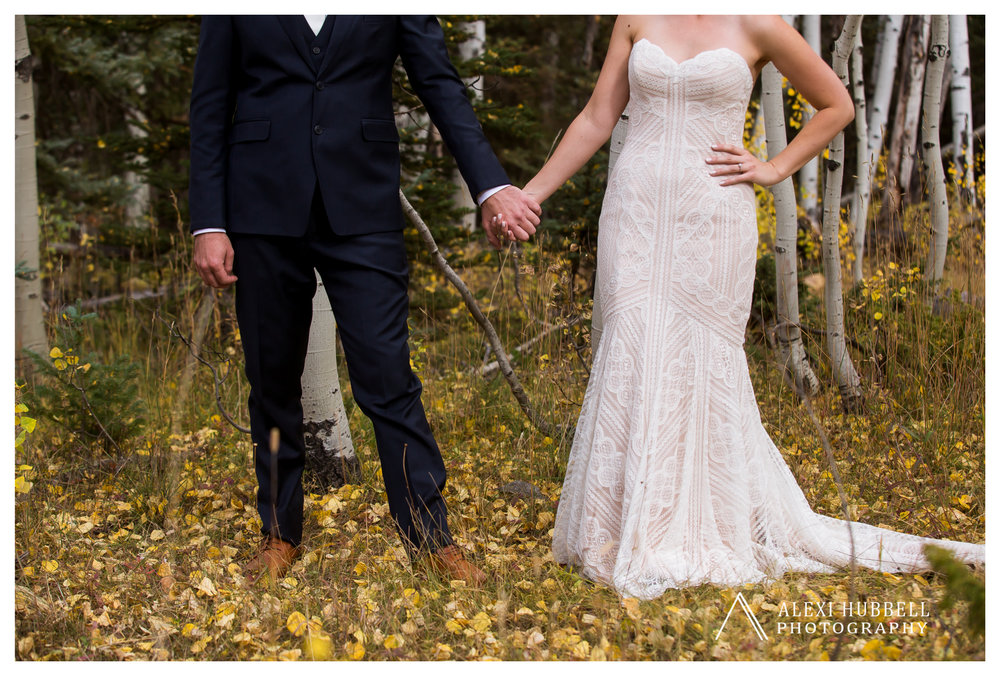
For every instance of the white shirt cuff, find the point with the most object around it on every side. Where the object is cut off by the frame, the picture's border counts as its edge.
(208, 230)
(489, 192)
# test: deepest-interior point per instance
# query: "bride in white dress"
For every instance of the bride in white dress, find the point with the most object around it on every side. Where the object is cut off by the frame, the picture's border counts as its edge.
(672, 480)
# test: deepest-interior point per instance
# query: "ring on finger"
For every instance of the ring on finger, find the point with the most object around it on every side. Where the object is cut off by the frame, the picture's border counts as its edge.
(740, 166)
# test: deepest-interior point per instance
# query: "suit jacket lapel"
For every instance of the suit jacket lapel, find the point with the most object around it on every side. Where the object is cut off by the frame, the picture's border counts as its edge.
(342, 27)
(293, 26)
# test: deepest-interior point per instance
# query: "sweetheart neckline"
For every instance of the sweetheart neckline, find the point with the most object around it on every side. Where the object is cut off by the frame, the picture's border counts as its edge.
(678, 64)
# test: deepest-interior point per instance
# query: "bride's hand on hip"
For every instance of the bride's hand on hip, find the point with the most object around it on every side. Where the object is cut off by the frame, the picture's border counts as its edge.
(737, 165)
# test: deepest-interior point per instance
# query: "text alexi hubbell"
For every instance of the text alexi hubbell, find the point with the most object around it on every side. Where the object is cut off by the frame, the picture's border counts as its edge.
(861, 618)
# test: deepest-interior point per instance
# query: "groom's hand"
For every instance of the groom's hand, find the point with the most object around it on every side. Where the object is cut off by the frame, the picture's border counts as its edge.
(517, 215)
(213, 259)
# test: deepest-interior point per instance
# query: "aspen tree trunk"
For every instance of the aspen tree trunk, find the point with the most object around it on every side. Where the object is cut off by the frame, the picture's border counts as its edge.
(330, 457)
(930, 135)
(29, 321)
(902, 142)
(809, 174)
(787, 333)
(471, 48)
(961, 108)
(137, 207)
(589, 36)
(911, 123)
(878, 114)
(843, 368)
(618, 135)
(864, 164)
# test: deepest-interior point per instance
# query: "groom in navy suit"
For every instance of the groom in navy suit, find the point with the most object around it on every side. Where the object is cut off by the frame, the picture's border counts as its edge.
(295, 167)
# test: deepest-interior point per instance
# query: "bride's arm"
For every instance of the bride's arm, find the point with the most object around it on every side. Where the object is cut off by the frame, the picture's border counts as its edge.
(593, 126)
(782, 45)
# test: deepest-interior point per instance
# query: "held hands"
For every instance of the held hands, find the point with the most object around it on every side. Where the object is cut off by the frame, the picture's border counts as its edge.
(510, 213)
(213, 259)
(736, 165)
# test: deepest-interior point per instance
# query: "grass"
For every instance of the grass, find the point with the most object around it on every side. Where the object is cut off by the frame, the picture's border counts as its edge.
(100, 574)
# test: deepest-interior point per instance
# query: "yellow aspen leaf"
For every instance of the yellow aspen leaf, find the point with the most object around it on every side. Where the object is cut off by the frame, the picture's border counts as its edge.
(453, 626)
(85, 527)
(317, 647)
(356, 651)
(28, 424)
(481, 622)
(631, 606)
(412, 595)
(55, 353)
(409, 627)
(50, 565)
(392, 641)
(156, 535)
(188, 628)
(442, 651)
(22, 486)
(59, 364)
(296, 624)
(290, 655)
(871, 649)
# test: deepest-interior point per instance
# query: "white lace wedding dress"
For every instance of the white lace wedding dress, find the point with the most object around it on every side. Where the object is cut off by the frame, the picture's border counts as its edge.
(672, 480)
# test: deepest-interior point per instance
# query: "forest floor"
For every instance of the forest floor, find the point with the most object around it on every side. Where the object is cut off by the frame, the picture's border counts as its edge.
(102, 574)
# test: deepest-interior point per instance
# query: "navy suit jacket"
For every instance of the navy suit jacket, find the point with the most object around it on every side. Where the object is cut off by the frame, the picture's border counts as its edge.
(272, 119)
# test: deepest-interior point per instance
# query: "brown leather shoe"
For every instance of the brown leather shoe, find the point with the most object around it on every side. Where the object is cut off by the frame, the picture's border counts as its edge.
(449, 562)
(273, 560)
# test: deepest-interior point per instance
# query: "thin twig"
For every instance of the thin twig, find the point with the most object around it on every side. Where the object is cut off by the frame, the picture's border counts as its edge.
(488, 370)
(216, 380)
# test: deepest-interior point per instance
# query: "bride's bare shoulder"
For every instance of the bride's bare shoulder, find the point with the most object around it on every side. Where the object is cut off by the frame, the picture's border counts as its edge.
(630, 24)
(762, 25)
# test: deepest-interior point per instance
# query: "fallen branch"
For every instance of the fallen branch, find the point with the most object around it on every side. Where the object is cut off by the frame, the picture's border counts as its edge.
(504, 363)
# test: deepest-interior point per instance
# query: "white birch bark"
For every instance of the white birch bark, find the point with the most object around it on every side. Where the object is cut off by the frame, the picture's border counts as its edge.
(961, 108)
(844, 372)
(911, 121)
(29, 321)
(330, 457)
(787, 332)
(937, 54)
(137, 206)
(877, 118)
(809, 174)
(864, 163)
(471, 48)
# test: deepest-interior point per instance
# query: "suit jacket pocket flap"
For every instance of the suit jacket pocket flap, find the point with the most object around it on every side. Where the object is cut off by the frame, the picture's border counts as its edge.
(251, 130)
(379, 130)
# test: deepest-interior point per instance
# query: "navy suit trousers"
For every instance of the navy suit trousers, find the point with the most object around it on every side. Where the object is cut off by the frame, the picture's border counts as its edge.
(366, 278)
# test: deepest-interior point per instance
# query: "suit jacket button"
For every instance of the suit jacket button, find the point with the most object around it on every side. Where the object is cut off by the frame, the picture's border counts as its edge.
(316, 50)
(320, 85)
(317, 129)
